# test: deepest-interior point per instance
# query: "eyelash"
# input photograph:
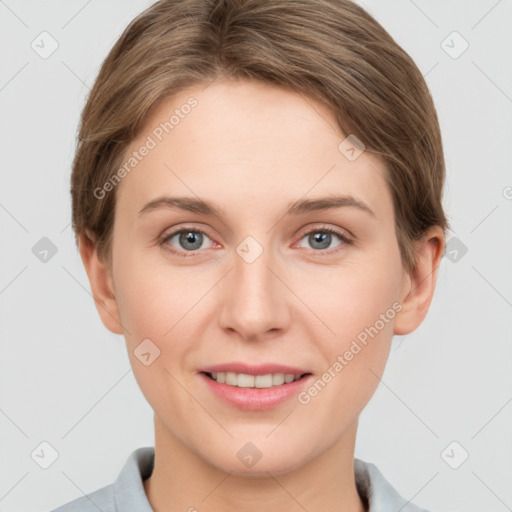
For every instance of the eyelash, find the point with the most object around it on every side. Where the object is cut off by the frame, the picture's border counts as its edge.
(322, 229)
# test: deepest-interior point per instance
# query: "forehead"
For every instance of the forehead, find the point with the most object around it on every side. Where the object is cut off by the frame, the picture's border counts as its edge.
(251, 119)
(242, 140)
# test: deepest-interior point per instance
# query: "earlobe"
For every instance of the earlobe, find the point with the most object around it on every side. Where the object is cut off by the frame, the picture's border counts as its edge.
(100, 279)
(419, 285)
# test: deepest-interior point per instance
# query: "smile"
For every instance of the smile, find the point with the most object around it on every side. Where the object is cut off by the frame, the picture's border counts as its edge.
(255, 392)
(243, 380)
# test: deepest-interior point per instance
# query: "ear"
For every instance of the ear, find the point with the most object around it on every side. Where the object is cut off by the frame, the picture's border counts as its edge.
(419, 285)
(100, 279)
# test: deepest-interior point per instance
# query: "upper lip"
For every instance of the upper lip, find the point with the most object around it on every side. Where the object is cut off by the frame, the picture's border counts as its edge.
(253, 369)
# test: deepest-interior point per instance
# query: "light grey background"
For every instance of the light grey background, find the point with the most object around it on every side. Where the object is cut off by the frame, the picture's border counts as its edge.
(67, 381)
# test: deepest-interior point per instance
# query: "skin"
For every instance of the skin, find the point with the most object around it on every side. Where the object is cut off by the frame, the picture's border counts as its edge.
(252, 150)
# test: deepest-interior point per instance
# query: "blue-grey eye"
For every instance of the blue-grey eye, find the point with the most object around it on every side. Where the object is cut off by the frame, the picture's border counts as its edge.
(188, 240)
(191, 240)
(321, 239)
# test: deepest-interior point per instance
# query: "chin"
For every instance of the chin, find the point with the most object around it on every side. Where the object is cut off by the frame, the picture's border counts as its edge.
(276, 462)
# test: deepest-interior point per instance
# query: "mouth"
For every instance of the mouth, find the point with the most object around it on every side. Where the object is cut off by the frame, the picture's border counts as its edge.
(244, 380)
(250, 392)
(255, 387)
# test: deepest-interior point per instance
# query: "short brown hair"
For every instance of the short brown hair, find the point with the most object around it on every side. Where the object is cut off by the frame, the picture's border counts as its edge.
(329, 50)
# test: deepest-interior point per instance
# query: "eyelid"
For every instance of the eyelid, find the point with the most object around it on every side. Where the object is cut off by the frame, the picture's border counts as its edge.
(168, 235)
(345, 238)
(341, 232)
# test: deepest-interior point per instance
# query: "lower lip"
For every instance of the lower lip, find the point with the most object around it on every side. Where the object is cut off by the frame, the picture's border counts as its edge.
(256, 399)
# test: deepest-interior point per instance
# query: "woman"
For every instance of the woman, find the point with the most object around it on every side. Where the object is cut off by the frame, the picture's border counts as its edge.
(296, 148)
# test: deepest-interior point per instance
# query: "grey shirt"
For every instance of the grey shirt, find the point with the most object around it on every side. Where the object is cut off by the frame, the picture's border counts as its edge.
(127, 493)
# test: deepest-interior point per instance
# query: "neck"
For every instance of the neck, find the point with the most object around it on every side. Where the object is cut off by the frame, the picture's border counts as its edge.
(182, 481)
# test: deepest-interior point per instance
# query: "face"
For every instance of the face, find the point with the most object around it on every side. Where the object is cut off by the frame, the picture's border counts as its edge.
(269, 278)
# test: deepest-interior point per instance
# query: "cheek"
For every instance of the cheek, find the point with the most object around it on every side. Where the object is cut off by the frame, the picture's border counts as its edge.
(155, 304)
(353, 298)
(361, 314)
(357, 305)
(152, 294)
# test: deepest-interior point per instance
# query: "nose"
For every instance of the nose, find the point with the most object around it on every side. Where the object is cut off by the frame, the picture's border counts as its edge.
(254, 298)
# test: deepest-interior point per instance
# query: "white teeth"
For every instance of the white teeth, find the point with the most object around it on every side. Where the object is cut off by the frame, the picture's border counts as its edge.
(242, 380)
(245, 381)
(263, 381)
(231, 379)
(288, 377)
(278, 379)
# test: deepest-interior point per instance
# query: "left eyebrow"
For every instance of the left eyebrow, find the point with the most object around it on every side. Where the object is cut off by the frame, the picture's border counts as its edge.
(326, 203)
(195, 205)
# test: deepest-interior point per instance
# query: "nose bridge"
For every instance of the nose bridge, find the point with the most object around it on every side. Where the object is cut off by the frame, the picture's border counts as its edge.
(252, 277)
(251, 273)
(254, 300)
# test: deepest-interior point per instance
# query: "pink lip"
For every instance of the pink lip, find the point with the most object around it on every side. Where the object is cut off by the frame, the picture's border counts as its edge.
(256, 399)
(261, 369)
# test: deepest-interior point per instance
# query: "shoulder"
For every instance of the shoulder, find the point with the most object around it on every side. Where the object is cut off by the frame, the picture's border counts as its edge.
(102, 499)
(379, 494)
(126, 493)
